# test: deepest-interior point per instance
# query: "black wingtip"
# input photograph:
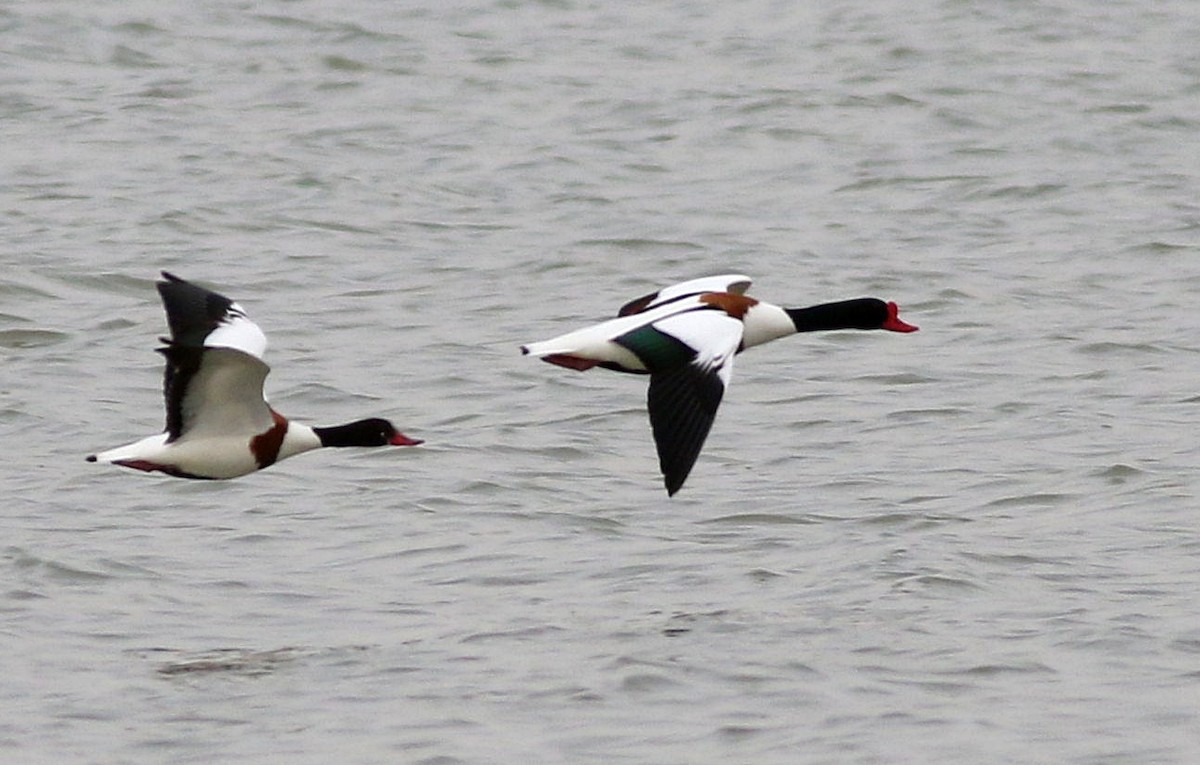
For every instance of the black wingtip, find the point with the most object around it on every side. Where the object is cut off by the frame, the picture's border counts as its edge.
(682, 404)
(192, 311)
(674, 481)
(637, 305)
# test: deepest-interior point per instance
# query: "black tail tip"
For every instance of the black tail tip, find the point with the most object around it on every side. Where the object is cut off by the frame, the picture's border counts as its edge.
(91, 458)
(524, 350)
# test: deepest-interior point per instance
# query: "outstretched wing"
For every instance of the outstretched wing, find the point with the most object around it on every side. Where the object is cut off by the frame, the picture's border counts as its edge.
(683, 399)
(217, 391)
(214, 373)
(202, 318)
(735, 283)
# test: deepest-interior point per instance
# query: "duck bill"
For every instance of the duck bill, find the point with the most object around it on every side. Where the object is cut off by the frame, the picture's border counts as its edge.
(402, 440)
(893, 323)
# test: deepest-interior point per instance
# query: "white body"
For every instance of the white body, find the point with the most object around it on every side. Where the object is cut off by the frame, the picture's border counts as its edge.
(220, 455)
(223, 411)
(686, 337)
(674, 312)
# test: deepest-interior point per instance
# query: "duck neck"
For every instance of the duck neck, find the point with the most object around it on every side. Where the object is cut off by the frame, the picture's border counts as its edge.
(765, 322)
(844, 314)
(370, 432)
(339, 435)
(299, 438)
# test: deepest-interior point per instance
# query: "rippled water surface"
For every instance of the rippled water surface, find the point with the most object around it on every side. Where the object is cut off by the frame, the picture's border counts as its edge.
(975, 544)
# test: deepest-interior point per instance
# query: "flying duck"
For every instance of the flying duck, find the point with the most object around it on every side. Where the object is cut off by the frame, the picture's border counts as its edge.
(218, 424)
(685, 337)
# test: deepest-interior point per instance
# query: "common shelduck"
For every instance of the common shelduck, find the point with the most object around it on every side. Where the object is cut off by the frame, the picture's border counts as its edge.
(685, 337)
(218, 424)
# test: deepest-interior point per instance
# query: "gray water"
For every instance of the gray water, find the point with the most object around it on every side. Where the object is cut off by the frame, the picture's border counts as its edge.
(975, 544)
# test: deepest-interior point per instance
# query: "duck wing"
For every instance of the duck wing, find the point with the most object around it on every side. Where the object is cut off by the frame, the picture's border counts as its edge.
(214, 392)
(214, 374)
(735, 283)
(683, 399)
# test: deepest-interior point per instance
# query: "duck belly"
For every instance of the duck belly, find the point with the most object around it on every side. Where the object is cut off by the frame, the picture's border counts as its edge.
(215, 458)
(584, 349)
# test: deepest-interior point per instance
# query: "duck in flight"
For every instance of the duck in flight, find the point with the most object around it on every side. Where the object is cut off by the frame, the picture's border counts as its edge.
(218, 423)
(685, 338)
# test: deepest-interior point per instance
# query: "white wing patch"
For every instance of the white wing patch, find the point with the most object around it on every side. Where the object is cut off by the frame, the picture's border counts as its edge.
(735, 283)
(236, 331)
(713, 334)
(225, 396)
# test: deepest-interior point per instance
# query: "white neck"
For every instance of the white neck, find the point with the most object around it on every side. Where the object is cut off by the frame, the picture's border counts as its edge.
(299, 438)
(765, 322)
